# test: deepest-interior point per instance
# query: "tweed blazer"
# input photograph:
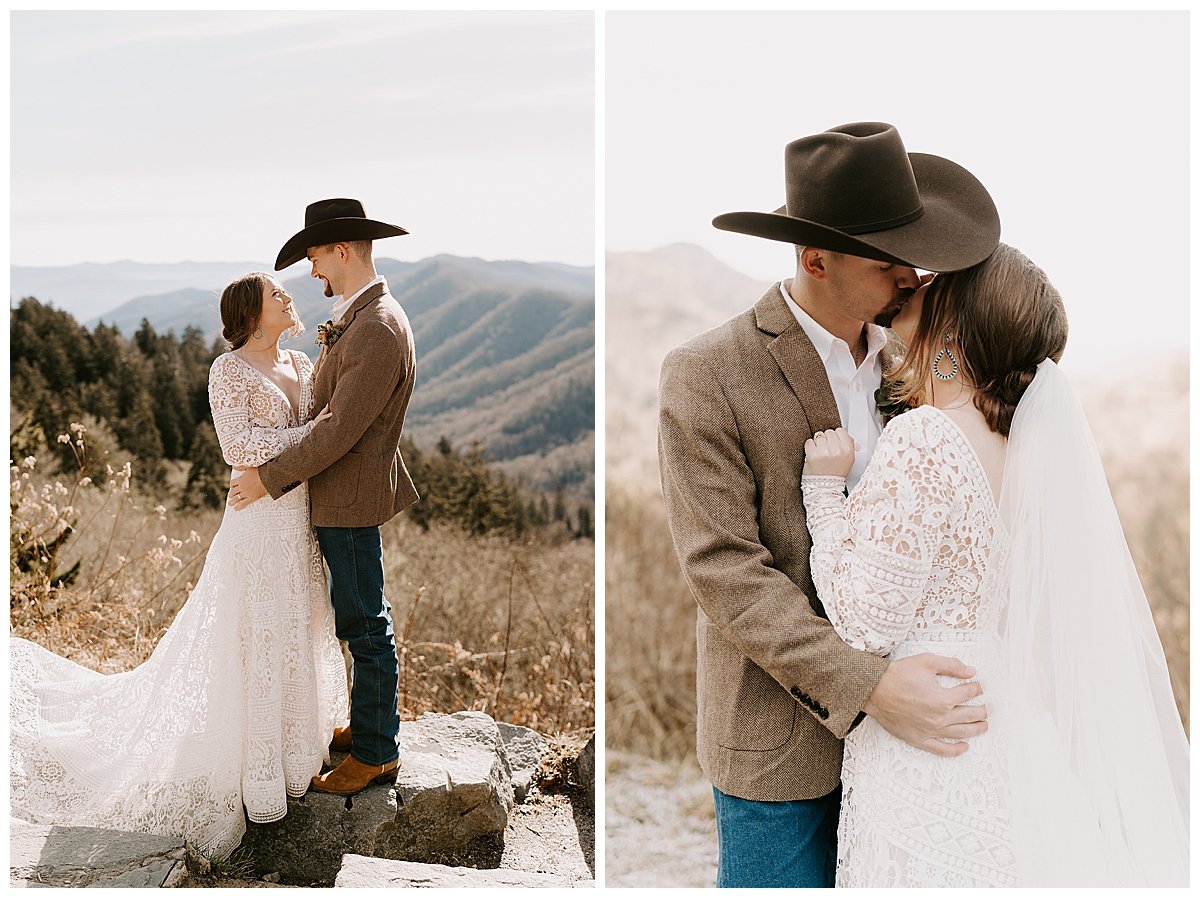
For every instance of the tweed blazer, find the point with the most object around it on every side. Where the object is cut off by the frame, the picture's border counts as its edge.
(356, 475)
(776, 688)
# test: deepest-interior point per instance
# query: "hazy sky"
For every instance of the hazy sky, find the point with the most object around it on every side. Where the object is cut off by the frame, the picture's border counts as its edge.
(1076, 122)
(169, 136)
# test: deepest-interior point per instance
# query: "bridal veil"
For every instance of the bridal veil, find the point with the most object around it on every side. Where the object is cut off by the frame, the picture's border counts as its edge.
(1097, 753)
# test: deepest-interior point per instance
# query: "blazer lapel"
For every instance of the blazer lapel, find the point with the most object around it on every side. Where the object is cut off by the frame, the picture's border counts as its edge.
(798, 360)
(365, 300)
(361, 303)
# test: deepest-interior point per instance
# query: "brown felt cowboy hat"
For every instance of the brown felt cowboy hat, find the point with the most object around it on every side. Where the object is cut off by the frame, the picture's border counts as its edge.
(854, 189)
(333, 221)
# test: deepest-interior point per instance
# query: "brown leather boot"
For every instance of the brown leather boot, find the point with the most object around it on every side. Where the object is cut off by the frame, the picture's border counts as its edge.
(350, 777)
(341, 739)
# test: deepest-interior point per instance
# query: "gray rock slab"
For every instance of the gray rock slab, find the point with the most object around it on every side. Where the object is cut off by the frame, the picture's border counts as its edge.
(370, 872)
(523, 749)
(585, 768)
(80, 856)
(453, 794)
(552, 834)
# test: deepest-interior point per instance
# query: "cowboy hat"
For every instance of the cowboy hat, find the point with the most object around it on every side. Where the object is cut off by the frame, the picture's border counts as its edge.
(333, 221)
(854, 189)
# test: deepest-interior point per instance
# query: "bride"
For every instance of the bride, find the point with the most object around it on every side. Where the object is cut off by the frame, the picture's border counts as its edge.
(983, 528)
(237, 705)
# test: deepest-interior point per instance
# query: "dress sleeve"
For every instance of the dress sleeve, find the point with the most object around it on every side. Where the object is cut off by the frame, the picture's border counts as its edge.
(244, 444)
(872, 554)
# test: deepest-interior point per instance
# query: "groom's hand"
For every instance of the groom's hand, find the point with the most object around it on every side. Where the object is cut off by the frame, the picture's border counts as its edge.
(913, 706)
(245, 489)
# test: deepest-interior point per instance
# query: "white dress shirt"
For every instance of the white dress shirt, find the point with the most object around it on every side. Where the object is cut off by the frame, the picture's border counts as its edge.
(342, 306)
(853, 386)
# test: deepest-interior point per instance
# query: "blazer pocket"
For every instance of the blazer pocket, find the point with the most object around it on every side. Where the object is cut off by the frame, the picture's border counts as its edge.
(748, 709)
(337, 486)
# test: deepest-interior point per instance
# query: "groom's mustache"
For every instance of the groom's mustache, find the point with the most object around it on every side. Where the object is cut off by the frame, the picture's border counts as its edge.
(888, 315)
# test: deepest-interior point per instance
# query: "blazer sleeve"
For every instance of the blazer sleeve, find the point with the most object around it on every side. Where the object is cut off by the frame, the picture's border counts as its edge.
(872, 556)
(712, 508)
(373, 359)
(243, 444)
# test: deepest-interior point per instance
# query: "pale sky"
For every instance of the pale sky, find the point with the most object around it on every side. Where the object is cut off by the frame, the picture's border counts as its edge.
(171, 136)
(1077, 123)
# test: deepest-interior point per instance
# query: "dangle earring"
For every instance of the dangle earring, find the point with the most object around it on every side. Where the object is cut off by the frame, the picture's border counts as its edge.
(258, 335)
(945, 353)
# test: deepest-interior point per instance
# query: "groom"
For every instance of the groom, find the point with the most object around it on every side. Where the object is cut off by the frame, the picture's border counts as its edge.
(356, 477)
(777, 689)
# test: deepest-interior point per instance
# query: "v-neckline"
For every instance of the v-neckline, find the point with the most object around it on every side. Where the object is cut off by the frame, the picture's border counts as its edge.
(992, 493)
(295, 411)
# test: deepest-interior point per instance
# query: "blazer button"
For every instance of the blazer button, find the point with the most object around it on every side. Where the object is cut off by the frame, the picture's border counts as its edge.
(797, 693)
(823, 713)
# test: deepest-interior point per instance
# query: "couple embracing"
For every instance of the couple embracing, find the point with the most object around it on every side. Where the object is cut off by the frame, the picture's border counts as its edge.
(244, 696)
(924, 656)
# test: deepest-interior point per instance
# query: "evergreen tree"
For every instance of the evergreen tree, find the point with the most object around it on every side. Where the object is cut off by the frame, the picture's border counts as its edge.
(585, 529)
(208, 477)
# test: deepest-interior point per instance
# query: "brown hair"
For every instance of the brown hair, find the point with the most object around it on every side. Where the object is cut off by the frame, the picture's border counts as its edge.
(1004, 315)
(241, 307)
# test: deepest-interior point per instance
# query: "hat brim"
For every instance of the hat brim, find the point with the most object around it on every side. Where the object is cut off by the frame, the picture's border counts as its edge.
(960, 226)
(335, 230)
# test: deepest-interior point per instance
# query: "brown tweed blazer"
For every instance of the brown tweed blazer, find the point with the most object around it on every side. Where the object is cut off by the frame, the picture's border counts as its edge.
(776, 688)
(356, 477)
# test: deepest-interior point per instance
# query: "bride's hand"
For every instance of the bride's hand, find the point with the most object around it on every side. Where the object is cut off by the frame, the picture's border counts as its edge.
(829, 453)
(324, 415)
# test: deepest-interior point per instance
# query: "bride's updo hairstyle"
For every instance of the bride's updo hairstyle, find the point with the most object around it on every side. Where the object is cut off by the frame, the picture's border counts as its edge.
(241, 308)
(1004, 317)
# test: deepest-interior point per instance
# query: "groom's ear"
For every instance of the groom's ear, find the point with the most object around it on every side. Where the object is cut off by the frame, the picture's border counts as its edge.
(812, 261)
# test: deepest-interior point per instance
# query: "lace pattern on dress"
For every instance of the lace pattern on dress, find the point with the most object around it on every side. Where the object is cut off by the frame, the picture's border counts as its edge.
(910, 562)
(235, 707)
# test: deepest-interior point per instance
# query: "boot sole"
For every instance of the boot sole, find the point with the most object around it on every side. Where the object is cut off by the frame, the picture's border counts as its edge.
(387, 778)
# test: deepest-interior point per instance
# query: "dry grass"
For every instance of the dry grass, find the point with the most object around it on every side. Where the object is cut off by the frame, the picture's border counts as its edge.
(485, 624)
(649, 632)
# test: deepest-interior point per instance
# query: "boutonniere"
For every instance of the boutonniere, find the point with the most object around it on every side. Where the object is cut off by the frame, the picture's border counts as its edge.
(328, 333)
(888, 401)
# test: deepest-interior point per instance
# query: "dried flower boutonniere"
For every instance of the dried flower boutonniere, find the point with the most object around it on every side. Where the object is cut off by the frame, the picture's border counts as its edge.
(328, 333)
(888, 401)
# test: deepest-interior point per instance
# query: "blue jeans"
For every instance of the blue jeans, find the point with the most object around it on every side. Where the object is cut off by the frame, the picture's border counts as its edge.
(363, 619)
(776, 844)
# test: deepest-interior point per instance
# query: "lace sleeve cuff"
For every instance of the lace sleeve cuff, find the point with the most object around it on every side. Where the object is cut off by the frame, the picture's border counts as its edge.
(825, 504)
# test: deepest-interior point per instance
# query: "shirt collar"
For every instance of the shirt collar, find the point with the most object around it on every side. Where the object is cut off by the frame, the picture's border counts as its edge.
(825, 342)
(342, 306)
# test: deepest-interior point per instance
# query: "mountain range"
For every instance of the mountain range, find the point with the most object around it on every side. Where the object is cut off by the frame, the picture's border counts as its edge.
(505, 350)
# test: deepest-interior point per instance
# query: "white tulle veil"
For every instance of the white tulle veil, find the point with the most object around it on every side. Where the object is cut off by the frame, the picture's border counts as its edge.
(1097, 753)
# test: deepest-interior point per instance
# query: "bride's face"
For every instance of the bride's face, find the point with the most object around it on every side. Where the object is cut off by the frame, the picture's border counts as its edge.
(277, 312)
(905, 324)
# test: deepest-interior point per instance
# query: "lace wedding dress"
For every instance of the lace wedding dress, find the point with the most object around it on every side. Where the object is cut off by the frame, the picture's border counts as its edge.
(237, 703)
(1082, 777)
(914, 562)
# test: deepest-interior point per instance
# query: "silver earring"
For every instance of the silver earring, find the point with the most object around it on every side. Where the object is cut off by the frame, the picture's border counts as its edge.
(945, 353)
(258, 335)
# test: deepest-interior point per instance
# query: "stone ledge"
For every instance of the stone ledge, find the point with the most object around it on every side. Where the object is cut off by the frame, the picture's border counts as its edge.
(80, 856)
(453, 794)
(371, 872)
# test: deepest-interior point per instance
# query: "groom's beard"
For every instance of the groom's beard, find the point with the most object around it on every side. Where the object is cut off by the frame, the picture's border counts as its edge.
(328, 289)
(888, 315)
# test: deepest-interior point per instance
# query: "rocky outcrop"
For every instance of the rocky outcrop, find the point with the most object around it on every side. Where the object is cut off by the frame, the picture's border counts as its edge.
(585, 770)
(523, 750)
(452, 804)
(452, 798)
(369, 872)
(82, 856)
